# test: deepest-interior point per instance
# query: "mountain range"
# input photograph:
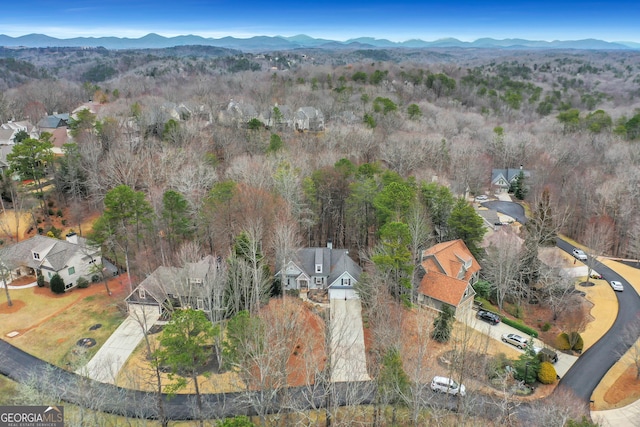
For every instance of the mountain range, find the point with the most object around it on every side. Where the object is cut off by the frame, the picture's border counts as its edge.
(258, 43)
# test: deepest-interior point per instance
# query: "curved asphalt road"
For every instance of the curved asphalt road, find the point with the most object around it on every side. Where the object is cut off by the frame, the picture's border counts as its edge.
(514, 210)
(585, 375)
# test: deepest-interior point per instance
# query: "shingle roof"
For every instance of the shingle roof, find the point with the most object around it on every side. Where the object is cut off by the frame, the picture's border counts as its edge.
(334, 261)
(166, 281)
(448, 268)
(56, 252)
(53, 121)
(443, 288)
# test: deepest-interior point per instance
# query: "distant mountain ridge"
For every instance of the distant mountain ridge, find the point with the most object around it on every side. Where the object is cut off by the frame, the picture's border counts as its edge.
(155, 41)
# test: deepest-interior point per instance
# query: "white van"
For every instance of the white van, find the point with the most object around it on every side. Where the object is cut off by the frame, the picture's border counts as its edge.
(447, 385)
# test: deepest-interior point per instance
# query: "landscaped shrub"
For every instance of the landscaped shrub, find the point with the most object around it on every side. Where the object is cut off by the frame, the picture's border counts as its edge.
(546, 327)
(547, 373)
(59, 213)
(519, 326)
(82, 283)
(40, 280)
(443, 324)
(577, 339)
(482, 288)
(562, 342)
(496, 365)
(57, 284)
(95, 278)
(514, 310)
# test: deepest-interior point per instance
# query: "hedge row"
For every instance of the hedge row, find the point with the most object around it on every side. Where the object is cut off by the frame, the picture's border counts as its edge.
(519, 326)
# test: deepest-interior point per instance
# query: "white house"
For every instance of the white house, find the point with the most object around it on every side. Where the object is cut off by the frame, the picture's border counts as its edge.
(72, 258)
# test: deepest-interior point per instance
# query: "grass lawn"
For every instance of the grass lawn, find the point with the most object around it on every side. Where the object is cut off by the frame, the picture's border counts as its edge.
(50, 325)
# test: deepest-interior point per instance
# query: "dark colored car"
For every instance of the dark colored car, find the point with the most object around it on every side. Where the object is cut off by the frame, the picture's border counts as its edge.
(488, 316)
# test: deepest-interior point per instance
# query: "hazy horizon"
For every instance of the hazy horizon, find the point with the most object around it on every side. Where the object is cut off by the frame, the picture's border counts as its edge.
(401, 21)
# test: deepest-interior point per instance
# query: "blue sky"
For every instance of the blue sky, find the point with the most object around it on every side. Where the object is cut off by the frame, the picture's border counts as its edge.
(398, 20)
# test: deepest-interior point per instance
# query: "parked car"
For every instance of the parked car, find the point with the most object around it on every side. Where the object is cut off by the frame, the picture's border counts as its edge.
(595, 275)
(617, 286)
(579, 253)
(488, 316)
(481, 198)
(447, 385)
(515, 339)
(546, 354)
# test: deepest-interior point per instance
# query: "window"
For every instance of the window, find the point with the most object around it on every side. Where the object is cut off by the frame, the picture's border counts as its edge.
(200, 303)
(49, 273)
(346, 281)
(72, 271)
(318, 280)
(36, 255)
(318, 268)
(142, 293)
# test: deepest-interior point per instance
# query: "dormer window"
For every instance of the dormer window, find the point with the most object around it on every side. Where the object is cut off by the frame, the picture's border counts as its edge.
(142, 293)
(36, 255)
(318, 268)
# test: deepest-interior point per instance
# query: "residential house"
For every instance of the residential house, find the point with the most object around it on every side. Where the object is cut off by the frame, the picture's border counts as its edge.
(9, 130)
(309, 118)
(72, 258)
(284, 120)
(448, 270)
(501, 179)
(193, 286)
(323, 268)
(53, 121)
(238, 113)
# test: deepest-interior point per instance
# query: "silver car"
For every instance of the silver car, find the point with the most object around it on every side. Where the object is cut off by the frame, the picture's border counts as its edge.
(515, 339)
(579, 253)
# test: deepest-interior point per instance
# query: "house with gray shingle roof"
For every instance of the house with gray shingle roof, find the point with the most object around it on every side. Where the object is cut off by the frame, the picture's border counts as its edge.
(322, 268)
(309, 118)
(501, 179)
(193, 285)
(53, 121)
(72, 258)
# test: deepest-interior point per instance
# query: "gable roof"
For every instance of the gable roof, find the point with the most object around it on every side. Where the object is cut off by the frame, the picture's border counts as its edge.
(52, 251)
(448, 266)
(334, 263)
(508, 174)
(165, 281)
(53, 121)
(443, 288)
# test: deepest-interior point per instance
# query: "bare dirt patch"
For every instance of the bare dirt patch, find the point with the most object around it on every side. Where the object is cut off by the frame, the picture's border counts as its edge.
(16, 306)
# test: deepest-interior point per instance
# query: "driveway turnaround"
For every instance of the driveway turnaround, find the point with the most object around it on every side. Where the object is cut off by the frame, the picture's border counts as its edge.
(113, 354)
(587, 372)
(348, 360)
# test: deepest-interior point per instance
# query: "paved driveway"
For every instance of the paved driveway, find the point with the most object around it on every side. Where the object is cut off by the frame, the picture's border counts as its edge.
(587, 372)
(348, 359)
(564, 363)
(113, 354)
(514, 210)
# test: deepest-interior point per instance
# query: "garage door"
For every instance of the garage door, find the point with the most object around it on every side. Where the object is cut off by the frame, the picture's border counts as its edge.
(342, 294)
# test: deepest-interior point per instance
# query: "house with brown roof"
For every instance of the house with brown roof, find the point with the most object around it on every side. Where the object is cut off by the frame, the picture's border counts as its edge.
(448, 270)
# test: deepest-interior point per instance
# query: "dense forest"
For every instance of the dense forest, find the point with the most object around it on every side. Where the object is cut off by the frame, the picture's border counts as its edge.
(197, 150)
